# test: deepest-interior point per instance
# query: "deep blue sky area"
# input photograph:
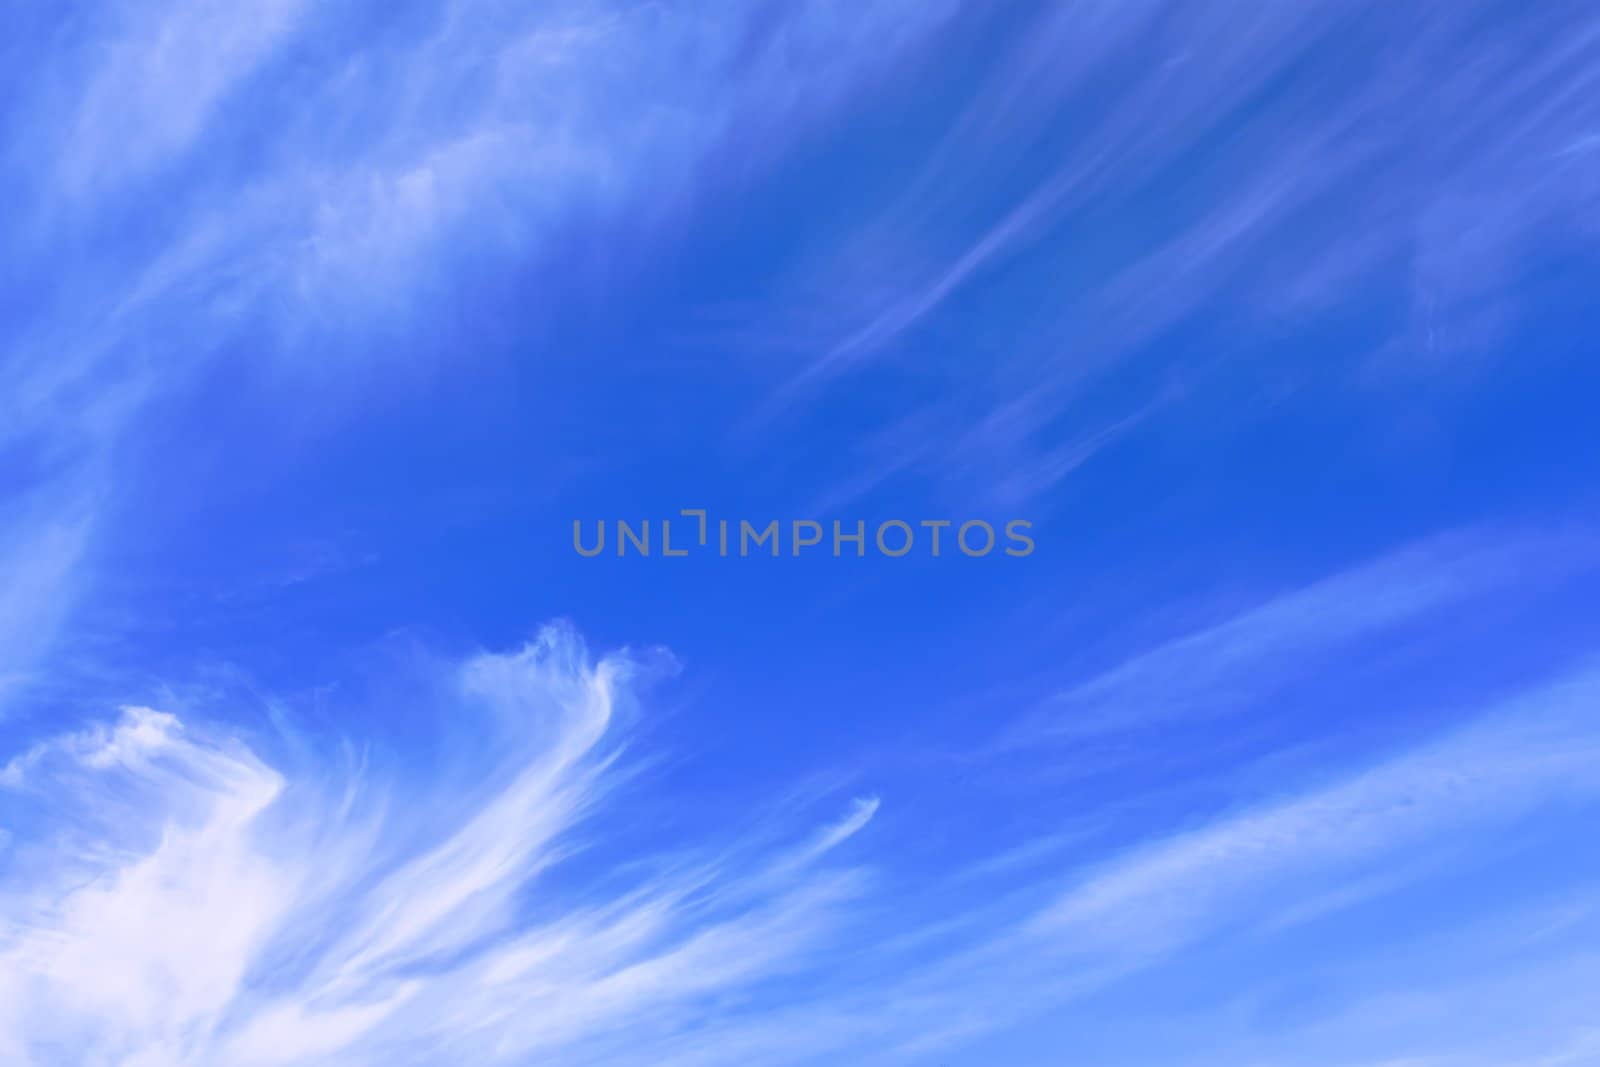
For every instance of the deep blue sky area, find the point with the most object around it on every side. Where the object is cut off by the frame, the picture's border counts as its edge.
(321, 744)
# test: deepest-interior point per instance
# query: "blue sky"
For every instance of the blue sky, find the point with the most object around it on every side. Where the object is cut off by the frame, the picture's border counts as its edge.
(319, 743)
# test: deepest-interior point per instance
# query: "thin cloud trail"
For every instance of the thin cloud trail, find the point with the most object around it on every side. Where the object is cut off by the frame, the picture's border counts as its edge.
(492, 129)
(177, 868)
(1229, 667)
(186, 902)
(1444, 158)
(274, 190)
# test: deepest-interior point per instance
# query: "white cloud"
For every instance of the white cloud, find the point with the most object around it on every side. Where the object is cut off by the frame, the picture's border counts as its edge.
(41, 551)
(190, 904)
(1227, 667)
(481, 129)
(164, 77)
(1543, 747)
(139, 733)
(193, 905)
(1124, 169)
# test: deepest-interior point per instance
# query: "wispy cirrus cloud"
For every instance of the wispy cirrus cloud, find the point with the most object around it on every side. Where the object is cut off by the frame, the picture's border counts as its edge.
(1537, 749)
(171, 897)
(185, 902)
(1228, 668)
(165, 76)
(175, 204)
(1222, 887)
(41, 551)
(1125, 171)
(489, 124)
(176, 888)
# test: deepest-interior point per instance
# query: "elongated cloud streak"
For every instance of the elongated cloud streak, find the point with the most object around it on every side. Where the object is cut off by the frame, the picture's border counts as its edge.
(178, 900)
(187, 903)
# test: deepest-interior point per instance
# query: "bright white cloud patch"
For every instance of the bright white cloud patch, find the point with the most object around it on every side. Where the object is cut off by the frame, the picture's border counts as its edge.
(171, 898)
(1020, 239)
(187, 904)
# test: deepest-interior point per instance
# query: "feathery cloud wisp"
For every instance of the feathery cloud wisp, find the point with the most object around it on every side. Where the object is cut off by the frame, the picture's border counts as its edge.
(188, 903)
(182, 901)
